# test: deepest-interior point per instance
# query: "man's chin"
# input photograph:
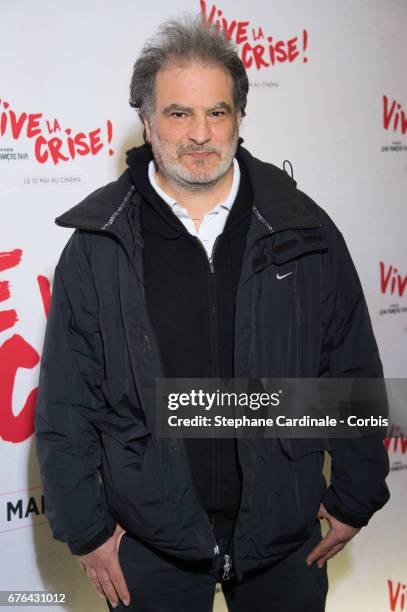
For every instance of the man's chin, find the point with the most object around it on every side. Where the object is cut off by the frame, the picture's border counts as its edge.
(199, 182)
(201, 177)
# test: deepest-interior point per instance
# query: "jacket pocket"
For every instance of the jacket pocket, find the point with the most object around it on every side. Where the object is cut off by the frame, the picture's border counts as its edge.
(296, 448)
(295, 486)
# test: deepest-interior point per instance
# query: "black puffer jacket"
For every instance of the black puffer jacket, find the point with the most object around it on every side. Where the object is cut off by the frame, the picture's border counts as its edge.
(100, 460)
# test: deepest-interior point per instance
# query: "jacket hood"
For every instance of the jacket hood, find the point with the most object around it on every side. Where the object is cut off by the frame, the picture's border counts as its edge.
(276, 197)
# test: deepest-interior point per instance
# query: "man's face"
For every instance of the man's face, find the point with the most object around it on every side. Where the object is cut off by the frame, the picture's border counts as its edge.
(195, 128)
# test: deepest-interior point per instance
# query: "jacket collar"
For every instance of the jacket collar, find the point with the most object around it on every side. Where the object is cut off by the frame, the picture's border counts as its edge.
(276, 203)
(277, 200)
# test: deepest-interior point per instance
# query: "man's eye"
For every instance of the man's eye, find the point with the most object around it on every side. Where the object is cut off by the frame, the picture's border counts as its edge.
(218, 113)
(178, 114)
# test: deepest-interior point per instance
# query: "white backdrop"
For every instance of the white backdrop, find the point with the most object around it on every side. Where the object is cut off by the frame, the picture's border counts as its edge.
(333, 102)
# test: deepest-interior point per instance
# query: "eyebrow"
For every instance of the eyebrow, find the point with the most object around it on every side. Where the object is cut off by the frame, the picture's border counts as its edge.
(188, 109)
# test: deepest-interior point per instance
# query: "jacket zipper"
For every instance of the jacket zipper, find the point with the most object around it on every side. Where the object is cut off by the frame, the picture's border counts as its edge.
(262, 219)
(215, 363)
(227, 566)
(273, 231)
(212, 311)
(215, 371)
(212, 314)
(214, 355)
(227, 559)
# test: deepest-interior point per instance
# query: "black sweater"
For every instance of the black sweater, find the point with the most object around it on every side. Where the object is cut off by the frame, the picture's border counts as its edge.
(192, 313)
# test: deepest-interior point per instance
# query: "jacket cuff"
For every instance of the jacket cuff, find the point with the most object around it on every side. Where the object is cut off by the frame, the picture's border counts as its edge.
(340, 514)
(87, 546)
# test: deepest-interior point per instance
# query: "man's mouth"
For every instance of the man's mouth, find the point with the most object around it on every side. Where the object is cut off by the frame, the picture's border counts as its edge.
(200, 155)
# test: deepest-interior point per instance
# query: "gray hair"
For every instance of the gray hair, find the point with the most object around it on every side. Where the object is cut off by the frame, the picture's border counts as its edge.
(180, 40)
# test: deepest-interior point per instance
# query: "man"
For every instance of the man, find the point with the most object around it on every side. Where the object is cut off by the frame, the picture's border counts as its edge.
(199, 261)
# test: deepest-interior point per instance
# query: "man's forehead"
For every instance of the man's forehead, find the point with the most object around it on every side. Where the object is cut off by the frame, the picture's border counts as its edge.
(211, 84)
(195, 73)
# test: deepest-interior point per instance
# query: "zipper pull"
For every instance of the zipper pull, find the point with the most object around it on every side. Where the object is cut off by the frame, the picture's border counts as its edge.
(216, 547)
(227, 565)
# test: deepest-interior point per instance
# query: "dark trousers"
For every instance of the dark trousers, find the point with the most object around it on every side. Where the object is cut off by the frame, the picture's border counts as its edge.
(159, 583)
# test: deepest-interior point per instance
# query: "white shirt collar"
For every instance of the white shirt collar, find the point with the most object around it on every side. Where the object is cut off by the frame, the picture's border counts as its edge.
(228, 203)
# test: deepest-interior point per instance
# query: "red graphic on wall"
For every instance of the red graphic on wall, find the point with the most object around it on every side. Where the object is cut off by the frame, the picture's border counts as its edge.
(391, 281)
(396, 441)
(397, 595)
(16, 352)
(52, 143)
(394, 117)
(258, 50)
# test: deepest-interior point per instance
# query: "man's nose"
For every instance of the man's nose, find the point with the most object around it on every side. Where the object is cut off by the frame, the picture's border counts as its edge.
(199, 130)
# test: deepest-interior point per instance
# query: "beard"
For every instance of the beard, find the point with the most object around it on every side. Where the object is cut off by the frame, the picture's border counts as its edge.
(197, 178)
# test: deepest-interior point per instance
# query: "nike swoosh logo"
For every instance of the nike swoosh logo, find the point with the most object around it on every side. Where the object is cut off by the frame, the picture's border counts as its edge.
(284, 275)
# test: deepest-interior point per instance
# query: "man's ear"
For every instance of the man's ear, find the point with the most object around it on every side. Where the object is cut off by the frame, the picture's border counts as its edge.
(238, 119)
(147, 129)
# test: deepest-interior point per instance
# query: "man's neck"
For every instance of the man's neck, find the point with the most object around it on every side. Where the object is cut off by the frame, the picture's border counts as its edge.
(197, 203)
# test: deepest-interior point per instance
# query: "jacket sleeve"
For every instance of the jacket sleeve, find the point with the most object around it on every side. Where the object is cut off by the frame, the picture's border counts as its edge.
(359, 466)
(67, 444)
